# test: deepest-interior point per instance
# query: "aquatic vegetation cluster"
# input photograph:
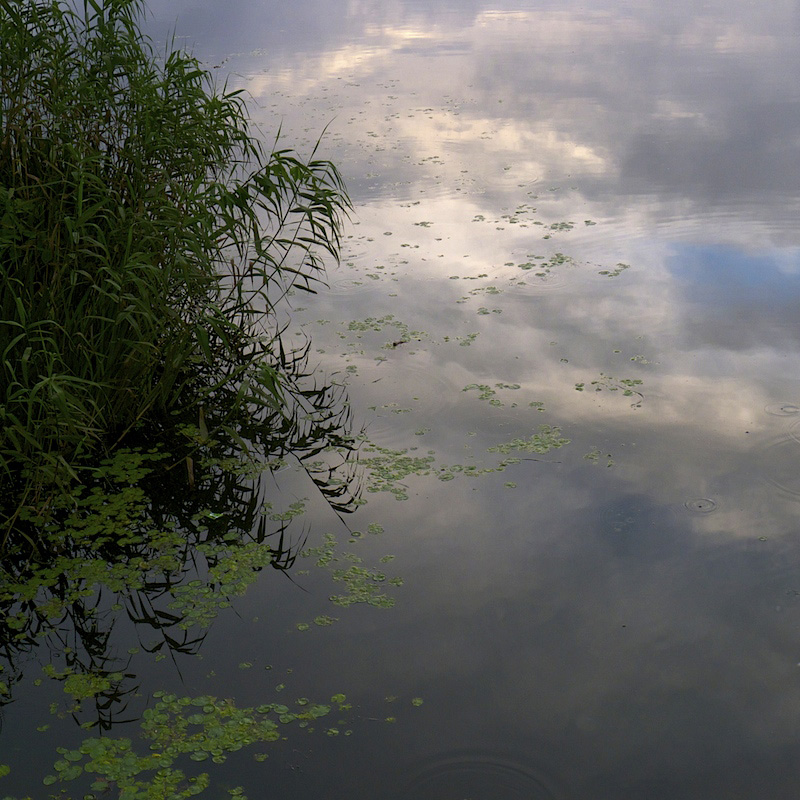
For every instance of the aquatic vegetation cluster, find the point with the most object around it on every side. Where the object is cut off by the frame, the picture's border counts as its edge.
(542, 267)
(387, 469)
(548, 438)
(119, 547)
(628, 386)
(364, 585)
(616, 272)
(198, 728)
(402, 333)
(486, 392)
(595, 454)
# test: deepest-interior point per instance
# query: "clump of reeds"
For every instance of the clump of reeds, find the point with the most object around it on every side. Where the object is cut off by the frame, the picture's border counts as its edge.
(145, 234)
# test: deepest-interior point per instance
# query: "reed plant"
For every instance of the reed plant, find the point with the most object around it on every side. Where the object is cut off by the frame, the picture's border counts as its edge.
(146, 235)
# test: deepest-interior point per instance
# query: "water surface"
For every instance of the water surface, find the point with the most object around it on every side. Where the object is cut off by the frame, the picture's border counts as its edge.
(572, 215)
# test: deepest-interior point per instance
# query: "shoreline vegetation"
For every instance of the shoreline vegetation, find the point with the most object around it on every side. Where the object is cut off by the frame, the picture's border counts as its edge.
(147, 239)
(146, 236)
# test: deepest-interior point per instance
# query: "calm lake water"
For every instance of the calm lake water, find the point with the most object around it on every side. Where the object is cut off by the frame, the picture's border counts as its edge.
(581, 216)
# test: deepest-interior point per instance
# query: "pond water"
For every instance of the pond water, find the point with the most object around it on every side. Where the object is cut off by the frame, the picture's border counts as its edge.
(566, 319)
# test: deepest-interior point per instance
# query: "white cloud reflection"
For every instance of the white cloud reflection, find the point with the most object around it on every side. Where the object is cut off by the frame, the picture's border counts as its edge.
(668, 136)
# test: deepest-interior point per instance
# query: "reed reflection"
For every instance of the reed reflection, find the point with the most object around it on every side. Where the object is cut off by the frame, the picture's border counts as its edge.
(163, 538)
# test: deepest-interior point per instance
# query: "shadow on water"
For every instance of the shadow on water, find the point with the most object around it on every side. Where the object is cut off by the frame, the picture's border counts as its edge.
(163, 538)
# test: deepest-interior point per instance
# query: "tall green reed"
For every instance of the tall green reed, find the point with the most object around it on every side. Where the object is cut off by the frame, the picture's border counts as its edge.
(146, 234)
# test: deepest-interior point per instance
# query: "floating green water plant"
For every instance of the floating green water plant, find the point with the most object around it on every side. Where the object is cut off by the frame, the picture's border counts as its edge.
(486, 392)
(543, 267)
(594, 456)
(548, 438)
(180, 729)
(128, 538)
(363, 584)
(388, 468)
(616, 272)
(628, 386)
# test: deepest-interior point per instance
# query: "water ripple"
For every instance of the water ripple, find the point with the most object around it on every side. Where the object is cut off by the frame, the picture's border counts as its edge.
(782, 409)
(481, 775)
(778, 463)
(701, 505)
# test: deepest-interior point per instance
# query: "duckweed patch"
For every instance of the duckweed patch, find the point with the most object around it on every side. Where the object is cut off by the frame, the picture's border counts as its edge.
(449, 472)
(364, 585)
(595, 455)
(561, 226)
(616, 272)
(118, 516)
(489, 393)
(522, 216)
(387, 469)
(628, 387)
(234, 569)
(483, 290)
(118, 512)
(403, 334)
(542, 267)
(548, 438)
(463, 341)
(110, 546)
(180, 729)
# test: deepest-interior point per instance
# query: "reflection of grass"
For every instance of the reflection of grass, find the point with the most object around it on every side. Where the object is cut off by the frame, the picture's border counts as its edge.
(114, 536)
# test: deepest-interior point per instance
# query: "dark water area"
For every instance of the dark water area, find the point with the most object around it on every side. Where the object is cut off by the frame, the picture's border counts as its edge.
(572, 221)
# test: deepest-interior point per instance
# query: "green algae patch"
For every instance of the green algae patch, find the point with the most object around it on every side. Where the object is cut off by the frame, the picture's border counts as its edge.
(595, 455)
(628, 386)
(616, 272)
(362, 584)
(177, 730)
(548, 438)
(387, 469)
(489, 393)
